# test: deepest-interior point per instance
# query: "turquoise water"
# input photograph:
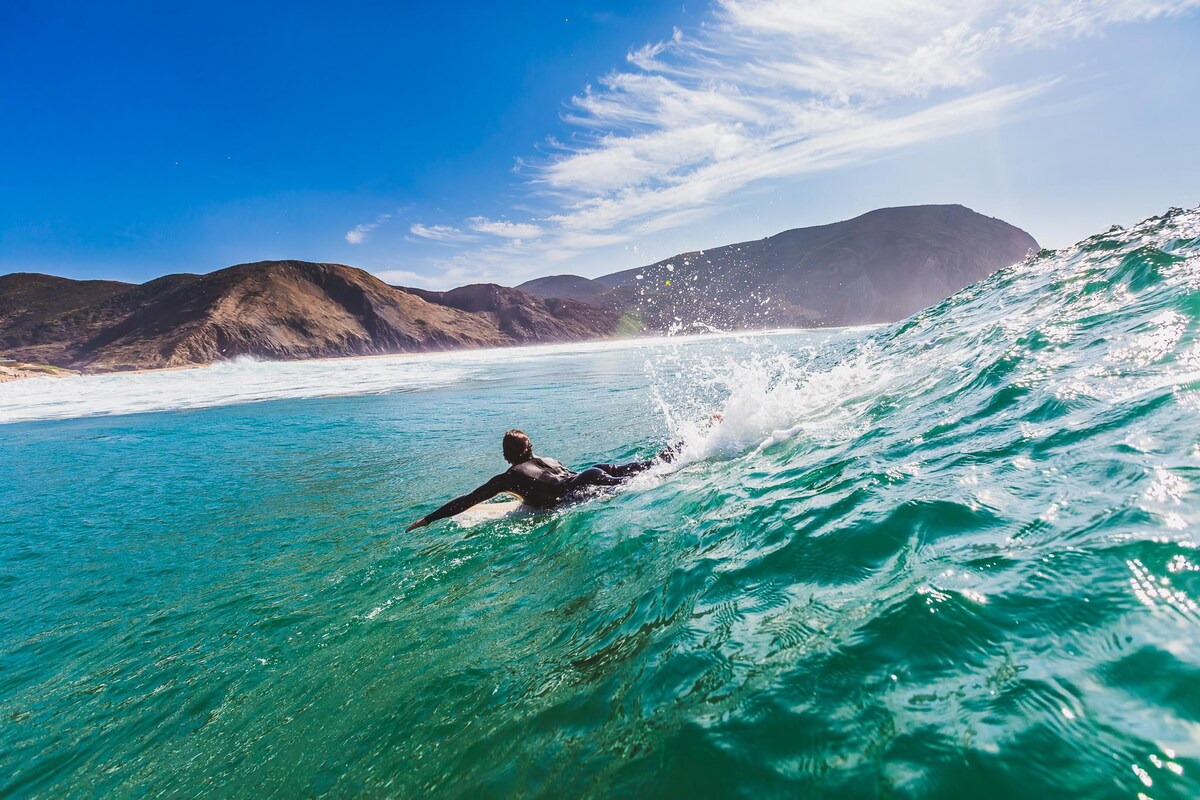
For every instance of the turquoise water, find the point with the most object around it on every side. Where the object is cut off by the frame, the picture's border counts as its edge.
(955, 556)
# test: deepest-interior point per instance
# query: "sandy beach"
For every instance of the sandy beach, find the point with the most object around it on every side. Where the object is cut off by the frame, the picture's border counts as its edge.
(16, 370)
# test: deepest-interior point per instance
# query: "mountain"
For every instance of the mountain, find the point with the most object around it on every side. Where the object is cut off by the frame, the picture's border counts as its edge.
(523, 317)
(269, 309)
(571, 287)
(878, 267)
(881, 266)
(32, 304)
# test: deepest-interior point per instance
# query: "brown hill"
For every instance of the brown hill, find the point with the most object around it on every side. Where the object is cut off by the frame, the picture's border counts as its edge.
(32, 307)
(525, 318)
(879, 267)
(270, 309)
(570, 287)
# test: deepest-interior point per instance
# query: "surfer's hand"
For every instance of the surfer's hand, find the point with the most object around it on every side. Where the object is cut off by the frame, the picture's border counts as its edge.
(421, 523)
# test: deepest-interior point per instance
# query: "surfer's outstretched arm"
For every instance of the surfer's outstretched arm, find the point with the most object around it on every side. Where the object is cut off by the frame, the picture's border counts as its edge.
(495, 486)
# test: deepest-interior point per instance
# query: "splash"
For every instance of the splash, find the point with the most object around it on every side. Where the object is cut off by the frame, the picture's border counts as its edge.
(1110, 319)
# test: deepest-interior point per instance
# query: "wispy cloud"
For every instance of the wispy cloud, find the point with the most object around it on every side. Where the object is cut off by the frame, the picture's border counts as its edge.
(358, 234)
(776, 89)
(441, 233)
(505, 229)
(455, 276)
(404, 277)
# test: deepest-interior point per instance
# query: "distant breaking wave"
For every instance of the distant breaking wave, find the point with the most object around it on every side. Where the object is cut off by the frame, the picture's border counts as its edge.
(249, 380)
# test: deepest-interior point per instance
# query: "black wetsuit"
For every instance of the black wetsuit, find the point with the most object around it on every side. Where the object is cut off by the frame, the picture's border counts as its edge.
(544, 483)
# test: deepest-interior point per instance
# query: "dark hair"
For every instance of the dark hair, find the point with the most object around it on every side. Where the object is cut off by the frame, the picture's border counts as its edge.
(517, 447)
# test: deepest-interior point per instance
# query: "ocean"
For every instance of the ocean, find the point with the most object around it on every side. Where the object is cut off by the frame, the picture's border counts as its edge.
(954, 556)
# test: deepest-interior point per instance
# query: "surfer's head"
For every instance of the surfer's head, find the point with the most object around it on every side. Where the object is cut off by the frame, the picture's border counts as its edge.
(517, 447)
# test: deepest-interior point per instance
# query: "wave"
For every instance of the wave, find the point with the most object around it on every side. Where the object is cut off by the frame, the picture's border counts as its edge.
(940, 555)
(250, 380)
(952, 556)
(1106, 321)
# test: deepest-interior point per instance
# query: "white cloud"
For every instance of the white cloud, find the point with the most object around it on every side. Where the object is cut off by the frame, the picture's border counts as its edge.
(441, 233)
(445, 279)
(404, 277)
(358, 234)
(505, 229)
(779, 89)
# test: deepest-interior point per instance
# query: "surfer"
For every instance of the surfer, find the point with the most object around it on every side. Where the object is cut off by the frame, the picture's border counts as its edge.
(543, 482)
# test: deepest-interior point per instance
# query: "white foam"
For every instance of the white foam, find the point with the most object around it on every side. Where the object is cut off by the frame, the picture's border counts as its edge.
(770, 398)
(248, 380)
(226, 383)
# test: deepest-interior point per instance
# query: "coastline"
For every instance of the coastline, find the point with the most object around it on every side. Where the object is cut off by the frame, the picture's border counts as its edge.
(245, 381)
(18, 370)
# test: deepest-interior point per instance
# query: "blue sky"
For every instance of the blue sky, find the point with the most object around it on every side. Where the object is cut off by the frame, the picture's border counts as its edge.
(440, 144)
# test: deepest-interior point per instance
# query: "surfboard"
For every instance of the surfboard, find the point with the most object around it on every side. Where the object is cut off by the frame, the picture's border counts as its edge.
(490, 510)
